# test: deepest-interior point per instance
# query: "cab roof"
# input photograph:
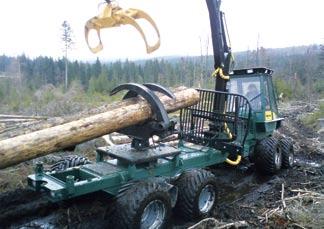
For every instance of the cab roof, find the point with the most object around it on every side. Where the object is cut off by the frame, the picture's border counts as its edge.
(251, 71)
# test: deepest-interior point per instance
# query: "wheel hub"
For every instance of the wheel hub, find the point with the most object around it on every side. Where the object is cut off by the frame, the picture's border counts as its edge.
(278, 158)
(291, 158)
(206, 199)
(153, 215)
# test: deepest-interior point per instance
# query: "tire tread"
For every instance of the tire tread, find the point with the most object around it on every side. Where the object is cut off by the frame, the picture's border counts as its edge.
(287, 148)
(128, 203)
(265, 155)
(189, 184)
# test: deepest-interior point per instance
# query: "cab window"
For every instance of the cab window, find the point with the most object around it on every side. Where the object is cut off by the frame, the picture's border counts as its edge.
(248, 87)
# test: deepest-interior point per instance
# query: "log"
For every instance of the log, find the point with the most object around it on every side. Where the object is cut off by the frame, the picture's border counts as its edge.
(28, 127)
(9, 124)
(122, 114)
(21, 117)
(15, 120)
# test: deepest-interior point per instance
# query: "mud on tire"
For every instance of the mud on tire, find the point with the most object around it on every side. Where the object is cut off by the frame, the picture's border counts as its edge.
(288, 154)
(145, 204)
(268, 155)
(197, 194)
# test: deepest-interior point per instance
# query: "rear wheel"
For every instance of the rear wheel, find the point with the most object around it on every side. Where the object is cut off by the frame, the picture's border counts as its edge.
(197, 194)
(288, 155)
(268, 156)
(145, 205)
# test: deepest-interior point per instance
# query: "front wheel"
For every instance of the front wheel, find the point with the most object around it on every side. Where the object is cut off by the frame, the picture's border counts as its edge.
(288, 155)
(197, 195)
(268, 156)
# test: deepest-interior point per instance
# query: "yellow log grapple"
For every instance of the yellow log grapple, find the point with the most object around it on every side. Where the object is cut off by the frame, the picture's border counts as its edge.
(113, 15)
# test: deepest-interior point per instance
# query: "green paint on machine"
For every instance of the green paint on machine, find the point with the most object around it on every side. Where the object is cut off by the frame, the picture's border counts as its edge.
(222, 126)
(213, 135)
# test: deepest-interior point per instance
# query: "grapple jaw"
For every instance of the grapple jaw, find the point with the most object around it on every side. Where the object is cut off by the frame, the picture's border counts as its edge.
(114, 16)
(159, 125)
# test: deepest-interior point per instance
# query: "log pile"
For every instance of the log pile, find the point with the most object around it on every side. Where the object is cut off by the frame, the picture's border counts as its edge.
(48, 136)
(9, 123)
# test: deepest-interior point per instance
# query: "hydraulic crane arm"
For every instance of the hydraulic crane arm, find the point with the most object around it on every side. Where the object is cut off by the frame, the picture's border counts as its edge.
(221, 49)
(222, 64)
(113, 16)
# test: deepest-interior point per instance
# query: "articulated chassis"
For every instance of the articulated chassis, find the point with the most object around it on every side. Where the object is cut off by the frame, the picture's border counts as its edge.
(128, 163)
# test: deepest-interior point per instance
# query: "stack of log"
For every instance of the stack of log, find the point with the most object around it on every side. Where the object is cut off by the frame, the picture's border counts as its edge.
(9, 123)
(43, 136)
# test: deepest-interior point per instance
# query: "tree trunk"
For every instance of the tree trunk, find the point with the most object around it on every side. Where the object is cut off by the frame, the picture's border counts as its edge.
(66, 71)
(118, 116)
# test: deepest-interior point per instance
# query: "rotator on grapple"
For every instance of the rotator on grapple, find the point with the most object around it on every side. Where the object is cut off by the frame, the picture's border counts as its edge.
(234, 121)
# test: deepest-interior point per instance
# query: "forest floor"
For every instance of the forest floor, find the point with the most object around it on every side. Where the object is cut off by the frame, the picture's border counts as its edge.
(292, 198)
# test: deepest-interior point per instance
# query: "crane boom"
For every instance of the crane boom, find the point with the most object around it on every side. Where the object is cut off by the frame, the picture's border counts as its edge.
(221, 49)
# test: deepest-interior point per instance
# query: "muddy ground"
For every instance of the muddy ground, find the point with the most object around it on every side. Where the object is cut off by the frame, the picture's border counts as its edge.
(293, 198)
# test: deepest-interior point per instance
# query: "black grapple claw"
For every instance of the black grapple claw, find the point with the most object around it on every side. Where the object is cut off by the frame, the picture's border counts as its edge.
(159, 125)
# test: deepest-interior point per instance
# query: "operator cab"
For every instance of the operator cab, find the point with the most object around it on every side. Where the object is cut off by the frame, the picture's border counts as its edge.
(256, 85)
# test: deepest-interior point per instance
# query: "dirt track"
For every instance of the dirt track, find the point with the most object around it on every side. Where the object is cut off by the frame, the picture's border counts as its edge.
(243, 195)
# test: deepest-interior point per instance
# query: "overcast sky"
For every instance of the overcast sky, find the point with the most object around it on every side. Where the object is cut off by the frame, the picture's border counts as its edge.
(33, 27)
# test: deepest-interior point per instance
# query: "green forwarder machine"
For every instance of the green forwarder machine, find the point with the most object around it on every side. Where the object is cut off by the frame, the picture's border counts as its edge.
(234, 121)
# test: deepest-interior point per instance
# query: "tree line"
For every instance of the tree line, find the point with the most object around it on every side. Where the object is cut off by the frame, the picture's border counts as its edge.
(299, 71)
(33, 73)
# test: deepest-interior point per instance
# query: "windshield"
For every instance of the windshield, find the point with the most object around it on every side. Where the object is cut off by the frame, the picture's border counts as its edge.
(249, 87)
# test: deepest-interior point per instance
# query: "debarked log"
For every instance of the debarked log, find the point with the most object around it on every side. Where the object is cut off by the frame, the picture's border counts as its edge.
(122, 114)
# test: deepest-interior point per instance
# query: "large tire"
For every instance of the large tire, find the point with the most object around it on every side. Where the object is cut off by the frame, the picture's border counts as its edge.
(252, 155)
(197, 194)
(268, 156)
(145, 205)
(68, 162)
(288, 154)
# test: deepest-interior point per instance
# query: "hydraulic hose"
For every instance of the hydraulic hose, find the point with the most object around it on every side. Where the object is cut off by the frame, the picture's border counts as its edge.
(236, 162)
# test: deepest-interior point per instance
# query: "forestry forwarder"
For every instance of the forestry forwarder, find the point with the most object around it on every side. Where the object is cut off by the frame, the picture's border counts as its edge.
(225, 126)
